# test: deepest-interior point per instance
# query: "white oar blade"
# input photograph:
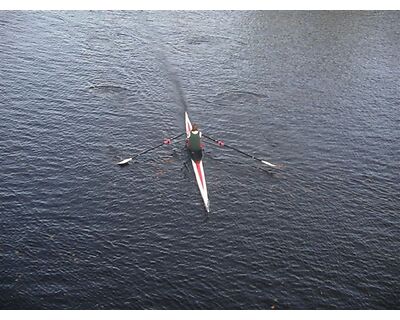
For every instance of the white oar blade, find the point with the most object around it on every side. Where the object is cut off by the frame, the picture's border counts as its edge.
(124, 161)
(268, 163)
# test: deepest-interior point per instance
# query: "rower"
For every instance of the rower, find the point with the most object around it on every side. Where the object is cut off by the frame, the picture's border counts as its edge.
(194, 143)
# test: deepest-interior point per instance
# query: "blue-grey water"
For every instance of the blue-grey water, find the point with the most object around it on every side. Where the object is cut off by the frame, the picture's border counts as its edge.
(315, 91)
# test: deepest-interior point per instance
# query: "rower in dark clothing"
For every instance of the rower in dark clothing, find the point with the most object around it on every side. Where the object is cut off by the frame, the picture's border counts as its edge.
(194, 143)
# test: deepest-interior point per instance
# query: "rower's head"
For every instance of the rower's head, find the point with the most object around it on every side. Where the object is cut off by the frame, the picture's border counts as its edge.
(195, 127)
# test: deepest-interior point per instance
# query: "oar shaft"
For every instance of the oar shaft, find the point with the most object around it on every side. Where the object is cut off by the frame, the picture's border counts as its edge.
(157, 146)
(233, 148)
(148, 150)
(240, 151)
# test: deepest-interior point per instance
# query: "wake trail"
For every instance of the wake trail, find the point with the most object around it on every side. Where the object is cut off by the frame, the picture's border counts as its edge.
(173, 77)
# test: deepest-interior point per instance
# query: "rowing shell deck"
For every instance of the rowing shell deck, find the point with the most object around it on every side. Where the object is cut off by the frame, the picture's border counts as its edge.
(198, 169)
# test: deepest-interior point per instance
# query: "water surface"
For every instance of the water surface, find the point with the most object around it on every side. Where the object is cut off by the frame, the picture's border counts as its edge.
(315, 91)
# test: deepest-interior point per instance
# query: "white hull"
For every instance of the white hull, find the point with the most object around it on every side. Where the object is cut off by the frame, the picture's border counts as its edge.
(198, 169)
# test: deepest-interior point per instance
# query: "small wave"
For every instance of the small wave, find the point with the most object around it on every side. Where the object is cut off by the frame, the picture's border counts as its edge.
(196, 40)
(107, 88)
(239, 96)
(201, 39)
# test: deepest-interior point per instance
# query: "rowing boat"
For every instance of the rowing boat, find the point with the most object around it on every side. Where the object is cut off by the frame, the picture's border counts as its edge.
(198, 163)
(198, 169)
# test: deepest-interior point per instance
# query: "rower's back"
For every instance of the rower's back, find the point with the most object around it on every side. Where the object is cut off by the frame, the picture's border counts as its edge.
(194, 143)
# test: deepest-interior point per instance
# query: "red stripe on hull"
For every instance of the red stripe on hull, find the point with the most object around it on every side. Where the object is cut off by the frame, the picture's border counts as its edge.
(200, 174)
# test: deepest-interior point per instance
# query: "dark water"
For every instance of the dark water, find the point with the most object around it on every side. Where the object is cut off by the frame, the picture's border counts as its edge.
(315, 91)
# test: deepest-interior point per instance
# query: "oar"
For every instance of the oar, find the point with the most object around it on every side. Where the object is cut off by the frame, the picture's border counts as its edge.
(222, 144)
(166, 141)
